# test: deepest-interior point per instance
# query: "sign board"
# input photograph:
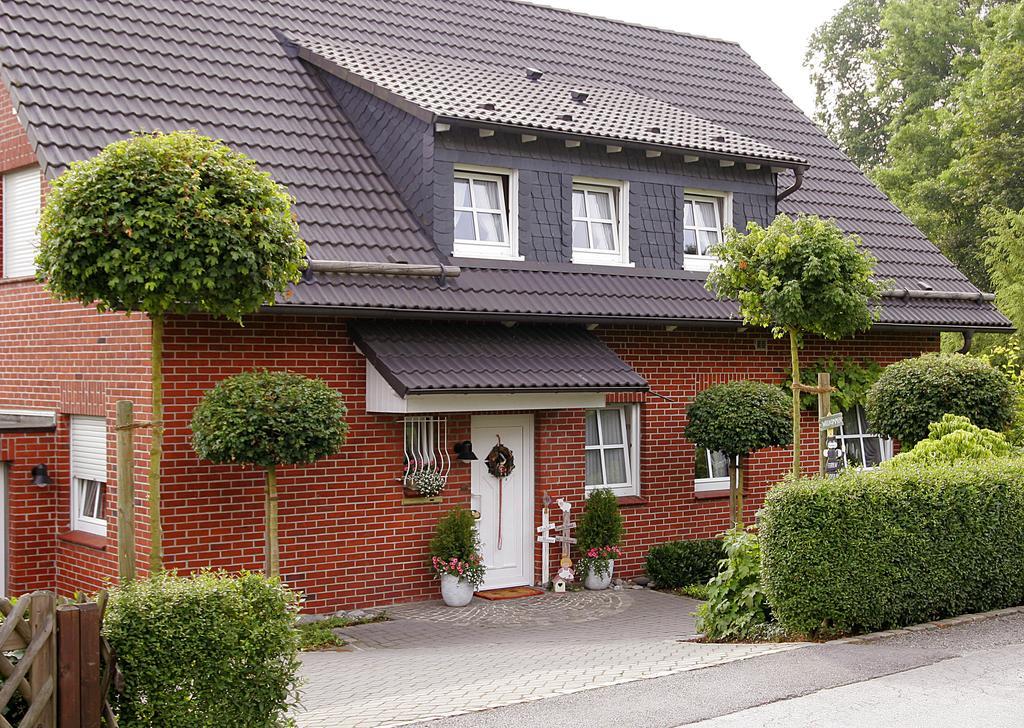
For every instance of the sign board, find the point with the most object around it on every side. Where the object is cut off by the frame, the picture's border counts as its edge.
(831, 422)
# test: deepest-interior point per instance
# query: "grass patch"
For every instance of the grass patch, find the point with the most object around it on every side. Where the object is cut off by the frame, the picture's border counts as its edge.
(320, 635)
(694, 591)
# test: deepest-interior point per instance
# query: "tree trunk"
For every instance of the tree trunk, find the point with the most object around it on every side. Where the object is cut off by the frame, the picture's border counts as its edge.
(156, 449)
(272, 566)
(794, 354)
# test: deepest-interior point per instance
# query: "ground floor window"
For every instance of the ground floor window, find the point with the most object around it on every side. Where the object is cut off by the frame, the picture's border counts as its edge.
(613, 449)
(89, 474)
(711, 471)
(863, 449)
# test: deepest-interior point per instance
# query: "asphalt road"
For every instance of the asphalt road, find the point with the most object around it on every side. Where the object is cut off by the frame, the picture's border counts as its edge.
(969, 675)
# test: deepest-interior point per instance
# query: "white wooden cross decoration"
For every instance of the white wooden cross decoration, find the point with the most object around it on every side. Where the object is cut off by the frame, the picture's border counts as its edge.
(548, 534)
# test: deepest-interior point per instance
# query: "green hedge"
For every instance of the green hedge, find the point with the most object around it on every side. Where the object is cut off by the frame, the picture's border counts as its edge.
(206, 651)
(683, 563)
(896, 546)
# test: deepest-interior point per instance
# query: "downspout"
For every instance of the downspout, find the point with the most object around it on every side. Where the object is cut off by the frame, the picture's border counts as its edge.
(798, 181)
(354, 267)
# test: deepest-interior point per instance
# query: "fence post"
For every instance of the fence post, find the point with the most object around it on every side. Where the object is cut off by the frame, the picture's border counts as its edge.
(69, 673)
(42, 674)
(125, 491)
(824, 409)
(90, 691)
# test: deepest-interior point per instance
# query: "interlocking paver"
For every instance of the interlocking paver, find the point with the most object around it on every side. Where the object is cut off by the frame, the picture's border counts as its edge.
(433, 661)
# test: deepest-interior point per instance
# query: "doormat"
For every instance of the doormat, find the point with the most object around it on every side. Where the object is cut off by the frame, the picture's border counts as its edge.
(514, 592)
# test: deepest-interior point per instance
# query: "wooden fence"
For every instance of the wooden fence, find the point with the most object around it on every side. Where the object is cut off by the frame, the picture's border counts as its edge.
(56, 661)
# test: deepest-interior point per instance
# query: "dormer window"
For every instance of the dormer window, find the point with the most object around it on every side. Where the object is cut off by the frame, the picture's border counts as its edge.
(599, 226)
(705, 215)
(485, 220)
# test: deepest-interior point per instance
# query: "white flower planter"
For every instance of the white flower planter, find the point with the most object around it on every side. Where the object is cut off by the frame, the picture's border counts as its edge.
(597, 582)
(456, 592)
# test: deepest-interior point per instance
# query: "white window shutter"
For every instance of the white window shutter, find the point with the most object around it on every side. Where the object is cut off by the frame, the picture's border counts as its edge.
(22, 203)
(89, 448)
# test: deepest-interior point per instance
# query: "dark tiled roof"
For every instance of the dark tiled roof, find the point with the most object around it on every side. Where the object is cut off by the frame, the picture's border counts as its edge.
(419, 358)
(86, 74)
(506, 97)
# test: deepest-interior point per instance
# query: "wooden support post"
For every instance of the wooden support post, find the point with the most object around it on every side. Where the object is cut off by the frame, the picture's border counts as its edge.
(89, 642)
(824, 408)
(69, 674)
(125, 491)
(44, 667)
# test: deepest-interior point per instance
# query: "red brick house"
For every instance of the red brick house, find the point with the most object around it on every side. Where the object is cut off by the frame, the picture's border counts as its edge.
(508, 209)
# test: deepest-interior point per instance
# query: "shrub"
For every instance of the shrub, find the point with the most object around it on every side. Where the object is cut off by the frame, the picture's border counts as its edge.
(694, 591)
(601, 523)
(952, 440)
(738, 418)
(682, 563)
(208, 650)
(895, 546)
(736, 607)
(455, 536)
(913, 393)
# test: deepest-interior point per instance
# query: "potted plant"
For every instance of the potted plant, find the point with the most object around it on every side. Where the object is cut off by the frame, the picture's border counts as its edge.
(598, 537)
(455, 557)
(427, 482)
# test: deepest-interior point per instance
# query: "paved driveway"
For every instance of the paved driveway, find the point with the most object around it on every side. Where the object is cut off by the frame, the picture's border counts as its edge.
(432, 661)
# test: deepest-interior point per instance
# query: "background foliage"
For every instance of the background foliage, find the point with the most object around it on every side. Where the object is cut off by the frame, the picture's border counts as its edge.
(601, 522)
(684, 563)
(851, 379)
(210, 650)
(877, 549)
(739, 417)
(913, 393)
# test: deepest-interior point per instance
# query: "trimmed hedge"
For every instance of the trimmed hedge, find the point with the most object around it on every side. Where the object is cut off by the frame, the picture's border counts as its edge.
(208, 651)
(895, 546)
(683, 563)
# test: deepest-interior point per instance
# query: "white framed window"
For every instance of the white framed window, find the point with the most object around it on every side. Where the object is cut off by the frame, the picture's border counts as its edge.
(706, 214)
(613, 449)
(711, 470)
(89, 474)
(486, 219)
(863, 449)
(23, 193)
(600, 222)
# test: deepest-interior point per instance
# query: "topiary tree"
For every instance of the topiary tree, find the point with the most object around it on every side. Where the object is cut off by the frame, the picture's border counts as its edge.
(269, 419)
(601, 522)
(168, 223)
(455, 536)
(913, 393)
(797, 276)
(738, 418)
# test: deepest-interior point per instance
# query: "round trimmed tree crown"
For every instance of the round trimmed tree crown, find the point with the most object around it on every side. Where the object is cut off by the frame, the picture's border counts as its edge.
(740, 417)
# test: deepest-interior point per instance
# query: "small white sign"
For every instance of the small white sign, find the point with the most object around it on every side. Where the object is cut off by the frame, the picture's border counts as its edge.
(831, 422)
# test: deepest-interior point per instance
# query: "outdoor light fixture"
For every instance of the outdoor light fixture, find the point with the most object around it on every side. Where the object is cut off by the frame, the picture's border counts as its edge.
(464, 450)
(40, 476)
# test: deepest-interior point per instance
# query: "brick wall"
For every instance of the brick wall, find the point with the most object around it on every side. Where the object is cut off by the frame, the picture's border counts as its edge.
(15, 149)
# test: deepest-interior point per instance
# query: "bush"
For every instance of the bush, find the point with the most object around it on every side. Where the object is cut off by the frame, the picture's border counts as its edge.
(683, 563)
(601, 523)
(913, 393)
(895, 546)
(455, 536)
(208, 650)
(739, 418)
(736, 607)
(952, 440)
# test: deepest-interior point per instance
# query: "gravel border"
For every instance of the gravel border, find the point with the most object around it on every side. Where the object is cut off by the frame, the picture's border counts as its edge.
(927, 626)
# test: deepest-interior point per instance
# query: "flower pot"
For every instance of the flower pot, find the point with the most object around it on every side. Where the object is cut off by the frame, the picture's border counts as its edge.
(456, 592)
(596, 582)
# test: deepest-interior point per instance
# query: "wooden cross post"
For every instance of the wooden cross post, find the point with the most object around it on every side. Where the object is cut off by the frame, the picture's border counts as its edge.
(823, 389)
(546, 539)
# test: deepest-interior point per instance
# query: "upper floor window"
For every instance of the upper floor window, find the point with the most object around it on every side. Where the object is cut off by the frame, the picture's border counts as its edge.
(613, 449)
(863, 449)
(89, 474)
(599, 222)
(485, 219)
(705, 216)
(22, 192)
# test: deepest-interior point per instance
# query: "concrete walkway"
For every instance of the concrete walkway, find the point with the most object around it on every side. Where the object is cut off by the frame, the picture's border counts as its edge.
(432, 661)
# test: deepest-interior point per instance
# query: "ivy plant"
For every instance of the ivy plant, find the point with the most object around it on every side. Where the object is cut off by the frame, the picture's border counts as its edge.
(269, 419)
(798, 276)
(851, 379)
(168, 223)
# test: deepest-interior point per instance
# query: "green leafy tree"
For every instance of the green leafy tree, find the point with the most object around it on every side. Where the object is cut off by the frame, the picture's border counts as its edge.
(796, 277)
(269, 419)
(738, 418)
(913, 393)
(163, 224)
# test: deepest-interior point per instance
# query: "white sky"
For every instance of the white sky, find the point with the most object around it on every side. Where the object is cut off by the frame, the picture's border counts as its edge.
(775, 32)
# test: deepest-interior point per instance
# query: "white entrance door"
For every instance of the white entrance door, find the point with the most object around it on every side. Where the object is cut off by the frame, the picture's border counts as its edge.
(506, 525)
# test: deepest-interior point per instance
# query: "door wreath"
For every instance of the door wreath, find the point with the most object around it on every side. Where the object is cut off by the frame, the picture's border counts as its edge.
(500, 462)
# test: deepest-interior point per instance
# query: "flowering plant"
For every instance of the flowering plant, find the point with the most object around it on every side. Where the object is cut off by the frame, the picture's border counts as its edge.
(472, 569)
(596, 560)
(426, 482)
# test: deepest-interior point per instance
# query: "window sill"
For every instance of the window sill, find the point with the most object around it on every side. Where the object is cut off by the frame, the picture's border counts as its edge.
(586, 260)
(82, 538)
(18, 279)
(711, 493)
(631, 500)
(470, 252)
